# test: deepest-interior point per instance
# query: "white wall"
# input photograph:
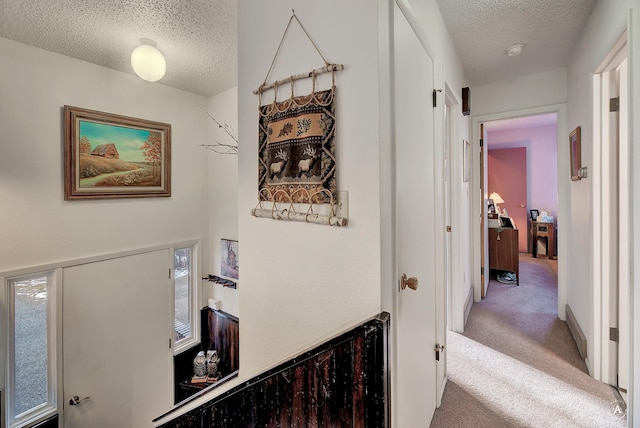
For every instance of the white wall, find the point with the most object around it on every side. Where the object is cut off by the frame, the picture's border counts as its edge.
(302, 282)
(37, 226)
(606, 24)
(542, 155)
(299, 282)
(223, 194)
(533, 90)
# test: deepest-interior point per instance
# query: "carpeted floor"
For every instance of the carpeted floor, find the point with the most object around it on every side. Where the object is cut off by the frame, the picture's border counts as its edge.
(517, 366)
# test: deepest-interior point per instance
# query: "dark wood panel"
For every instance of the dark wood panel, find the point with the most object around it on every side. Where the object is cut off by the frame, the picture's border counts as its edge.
(219, 331)
(224, 337)
(341, 383)
(504, 254)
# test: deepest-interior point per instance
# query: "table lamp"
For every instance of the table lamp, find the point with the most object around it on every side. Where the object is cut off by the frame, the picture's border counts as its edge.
(497, 199)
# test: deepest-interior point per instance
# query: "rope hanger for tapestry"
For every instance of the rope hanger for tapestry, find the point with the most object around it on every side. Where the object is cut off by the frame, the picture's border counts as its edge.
(297, 161)
(327, 68)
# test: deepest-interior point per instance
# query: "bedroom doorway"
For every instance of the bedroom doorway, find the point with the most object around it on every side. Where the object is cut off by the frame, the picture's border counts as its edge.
(531, 140)
(521, 157)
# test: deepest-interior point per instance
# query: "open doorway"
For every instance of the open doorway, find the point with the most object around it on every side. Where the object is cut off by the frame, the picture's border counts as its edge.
(480, 262)
(522, 188)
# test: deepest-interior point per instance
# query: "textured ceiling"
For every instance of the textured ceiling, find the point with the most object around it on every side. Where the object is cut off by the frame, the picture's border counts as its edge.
(483, 29)
(197, 37)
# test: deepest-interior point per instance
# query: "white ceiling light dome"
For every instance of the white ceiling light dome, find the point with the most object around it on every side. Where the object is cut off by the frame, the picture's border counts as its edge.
(148, 62)
(515, 49)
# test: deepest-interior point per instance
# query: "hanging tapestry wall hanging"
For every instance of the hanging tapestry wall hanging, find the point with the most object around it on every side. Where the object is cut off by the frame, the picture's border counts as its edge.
(297, 148)
(297, 161)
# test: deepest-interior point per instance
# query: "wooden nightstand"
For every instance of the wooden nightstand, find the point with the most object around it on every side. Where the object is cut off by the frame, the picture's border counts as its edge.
(543, 230)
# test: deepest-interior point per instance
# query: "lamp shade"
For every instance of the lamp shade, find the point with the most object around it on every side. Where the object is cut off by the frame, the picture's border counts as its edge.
(496, 198)
(148, 63)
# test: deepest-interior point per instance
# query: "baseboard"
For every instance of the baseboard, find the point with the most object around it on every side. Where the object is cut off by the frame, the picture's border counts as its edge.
(576, 332)
(441, 392)
(467, 305)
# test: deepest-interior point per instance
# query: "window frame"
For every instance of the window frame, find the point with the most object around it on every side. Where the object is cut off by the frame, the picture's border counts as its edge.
(194, 287)
(54, 349)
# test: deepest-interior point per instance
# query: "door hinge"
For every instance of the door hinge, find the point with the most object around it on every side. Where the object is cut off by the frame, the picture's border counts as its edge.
(481, 142)
(169, 343)
(435, 97)
(439, 348)
(482, 271)
(614, 334)
(169, 273)
(614, 104)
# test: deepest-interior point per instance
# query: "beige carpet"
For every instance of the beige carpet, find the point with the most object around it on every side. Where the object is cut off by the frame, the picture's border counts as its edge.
(517, 366)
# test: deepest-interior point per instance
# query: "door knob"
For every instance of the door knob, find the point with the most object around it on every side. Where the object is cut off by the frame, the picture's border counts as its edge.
(76, 401)
(405, 282)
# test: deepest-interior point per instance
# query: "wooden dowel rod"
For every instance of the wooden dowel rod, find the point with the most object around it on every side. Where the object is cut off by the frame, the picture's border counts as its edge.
(295, 216)
(326, 69)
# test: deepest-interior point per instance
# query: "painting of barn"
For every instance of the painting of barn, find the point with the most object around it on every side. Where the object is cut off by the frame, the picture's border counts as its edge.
(108, 151)
(113, 156)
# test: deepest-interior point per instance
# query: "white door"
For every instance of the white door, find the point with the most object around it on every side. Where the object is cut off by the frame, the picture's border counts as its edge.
(415, 223)
(443, 290)
(116, 323)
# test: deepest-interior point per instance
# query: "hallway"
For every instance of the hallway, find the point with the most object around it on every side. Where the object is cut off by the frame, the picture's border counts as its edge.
(517, 365)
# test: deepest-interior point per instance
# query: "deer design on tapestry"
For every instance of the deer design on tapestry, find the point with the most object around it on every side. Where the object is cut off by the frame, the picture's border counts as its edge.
(305, 165)
(276, 168)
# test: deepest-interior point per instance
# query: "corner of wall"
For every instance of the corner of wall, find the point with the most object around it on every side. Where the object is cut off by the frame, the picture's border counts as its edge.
(577, 334)
(467, 308)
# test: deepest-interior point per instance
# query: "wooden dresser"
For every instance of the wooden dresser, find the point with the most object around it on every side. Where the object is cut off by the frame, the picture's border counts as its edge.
(503, 251)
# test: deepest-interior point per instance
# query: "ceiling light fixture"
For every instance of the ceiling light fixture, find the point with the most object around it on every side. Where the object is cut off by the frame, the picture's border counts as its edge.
(515, 49)
(148, 62)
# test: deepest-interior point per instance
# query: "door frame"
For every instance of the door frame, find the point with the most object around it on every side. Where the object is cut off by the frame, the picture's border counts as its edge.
(478, 207)
(605, 268)
(484, 246)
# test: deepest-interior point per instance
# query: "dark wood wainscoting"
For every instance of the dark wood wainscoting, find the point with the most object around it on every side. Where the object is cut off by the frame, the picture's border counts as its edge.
(340, 383)
(219, 331)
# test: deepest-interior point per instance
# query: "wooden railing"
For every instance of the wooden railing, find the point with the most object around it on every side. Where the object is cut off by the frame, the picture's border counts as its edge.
(341, 383)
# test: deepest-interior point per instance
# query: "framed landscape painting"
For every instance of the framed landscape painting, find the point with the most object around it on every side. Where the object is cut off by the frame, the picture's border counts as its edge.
(113, 156)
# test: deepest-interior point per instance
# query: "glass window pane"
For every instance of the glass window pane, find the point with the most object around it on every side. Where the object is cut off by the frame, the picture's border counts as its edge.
(30, 343)
(182, 278)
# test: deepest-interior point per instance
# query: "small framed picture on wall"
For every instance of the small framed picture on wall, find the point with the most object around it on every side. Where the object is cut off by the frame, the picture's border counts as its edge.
(466, 160)
(575, 154)
(229, 258)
